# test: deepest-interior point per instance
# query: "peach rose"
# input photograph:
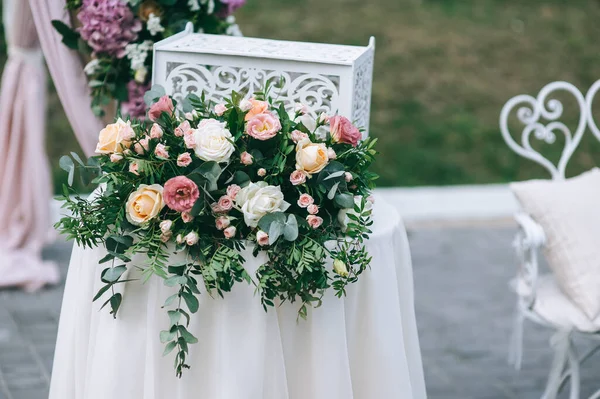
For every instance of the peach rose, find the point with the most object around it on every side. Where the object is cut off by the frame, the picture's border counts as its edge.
(115, 138)
(305, 200)
(156, 131)
(314, 221)
(258, 107)
(164, 104)
(246, 158)
(263, 127)
(144, 204)
(184, 159)
(313, 209)
(298, 177)
(262, 238)
(311, 157)
(222, 222)
(229, 232)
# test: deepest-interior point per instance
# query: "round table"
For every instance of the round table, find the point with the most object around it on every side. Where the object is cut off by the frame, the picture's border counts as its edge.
(363, 346)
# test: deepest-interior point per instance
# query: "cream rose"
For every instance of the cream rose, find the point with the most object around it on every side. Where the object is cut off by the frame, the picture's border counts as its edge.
(257, 199)
(115, 138)
(212, 141)
(144, 204)
(343, 218)
(311, 157)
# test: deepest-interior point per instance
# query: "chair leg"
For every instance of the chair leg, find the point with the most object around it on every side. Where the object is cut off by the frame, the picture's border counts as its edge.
(561, 343)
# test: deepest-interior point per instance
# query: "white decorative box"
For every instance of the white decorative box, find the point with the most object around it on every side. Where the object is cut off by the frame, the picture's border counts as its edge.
(327, 78)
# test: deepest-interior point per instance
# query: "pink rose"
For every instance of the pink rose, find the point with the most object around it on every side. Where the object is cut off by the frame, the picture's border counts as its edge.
(179, 239)
(222, 222)
(164, 104)
(263, 127)
(165, 237)
(115, 157)
(182, 129)
(312, 209)
(343, 131)
(186, 217)
(229, 232)
(156, 132)
(161, 151)
(233, 190)
(216, 208)
(297, 136)
(220, 109)
(166, 225)
(258, 107)
(314, 221)
(191, 238)
(189, 140)
(142, 146)
(180, 194)
(262, 238)
(262, 172)
(348, 176)
(331, 153)
(246, 158)
(225, 203)
(305, 200)
(298, 177)
(184, 159)
(133, 168)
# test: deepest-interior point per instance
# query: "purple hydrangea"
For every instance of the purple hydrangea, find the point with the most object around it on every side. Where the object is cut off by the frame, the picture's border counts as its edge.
(108, 26)
(135, 105)
(232, 5)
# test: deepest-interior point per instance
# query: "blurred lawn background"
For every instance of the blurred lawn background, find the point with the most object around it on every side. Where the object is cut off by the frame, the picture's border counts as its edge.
(444, 68)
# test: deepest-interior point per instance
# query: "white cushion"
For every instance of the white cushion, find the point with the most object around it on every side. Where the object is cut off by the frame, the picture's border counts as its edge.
(552, 305)
(569, 213)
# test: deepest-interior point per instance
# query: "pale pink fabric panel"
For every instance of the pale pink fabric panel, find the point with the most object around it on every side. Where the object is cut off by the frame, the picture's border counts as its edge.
(25, 188)
(67, 73)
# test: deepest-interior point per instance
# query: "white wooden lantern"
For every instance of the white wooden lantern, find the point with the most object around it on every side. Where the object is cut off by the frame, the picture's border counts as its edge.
(327, 78)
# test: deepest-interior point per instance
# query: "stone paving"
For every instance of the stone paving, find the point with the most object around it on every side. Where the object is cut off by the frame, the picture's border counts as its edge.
(463, 305)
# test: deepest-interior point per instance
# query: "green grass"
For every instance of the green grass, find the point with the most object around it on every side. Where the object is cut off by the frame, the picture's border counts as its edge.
(444, 68)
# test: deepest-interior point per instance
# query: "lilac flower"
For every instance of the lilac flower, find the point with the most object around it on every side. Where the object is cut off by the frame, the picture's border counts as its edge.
(108, 26)
(135, 106)
(232, 5)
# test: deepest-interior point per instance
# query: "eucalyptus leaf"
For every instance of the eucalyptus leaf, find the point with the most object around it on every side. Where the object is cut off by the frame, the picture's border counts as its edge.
(174, 317)
(112, 274)
(115, 303)
(265, 222)
(187, 336)
(290, 231)
(333, 190)
(169, 348)
(166, 336)
(191, 301)
(344, 200)
(275, 230)
(66, 163)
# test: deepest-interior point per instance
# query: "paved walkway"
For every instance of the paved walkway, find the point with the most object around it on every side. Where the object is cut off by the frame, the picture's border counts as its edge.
(464, 312)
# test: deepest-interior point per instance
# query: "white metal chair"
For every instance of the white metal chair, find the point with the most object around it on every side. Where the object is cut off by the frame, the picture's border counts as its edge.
(541, 119)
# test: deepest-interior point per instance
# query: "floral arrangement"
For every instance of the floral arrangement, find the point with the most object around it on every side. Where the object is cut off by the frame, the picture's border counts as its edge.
(209, 181)
(117, 36)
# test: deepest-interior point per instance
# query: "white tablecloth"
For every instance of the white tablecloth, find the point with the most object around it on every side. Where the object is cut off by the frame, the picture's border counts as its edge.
(364, 346)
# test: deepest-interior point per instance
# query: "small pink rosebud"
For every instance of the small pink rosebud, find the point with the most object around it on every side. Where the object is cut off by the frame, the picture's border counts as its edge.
(262, 172)
(165, 237)
(323, 119)
(189, 116)
(133, 168)
(186, 217)
(305, 200)
(348, 176)
(142, 146)
(298, 136)
(156, 132)
(179, 239)
(246, 105)
(225, 203)
(301, 108)
(229, 232)
(161, 151)
(215, 208)
(189, 139)
(115, 157)
(331, 153)
(166, 225)
(313, 209)
(182, 129)
(262, 238)
(298, 177)
(220, 109)
(233, 190)
(246, 158)
(191, 238)
(314, 221)
(222, 222)
(184, 159)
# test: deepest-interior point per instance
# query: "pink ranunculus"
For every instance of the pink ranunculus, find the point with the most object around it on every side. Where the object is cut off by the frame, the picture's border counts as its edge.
(298, 177)
(298, 136)
(182, 129)
(233, 190)
(186, 217)
(331, 154)
(313, 209)
(189, 140)
(222, 222)
(343, 131)
(180, 194)
(115, 157)
(263, 126)
(142, 145)
(262, 172)
(262, 238)
(161, 151)
(220, 109)
(314, 221)
(305, 200)
(133, 168)
(156, 131)
(229, 232)
(225, 203)
(246, 158)
(184, 159)
(348, 177)
(164, 104)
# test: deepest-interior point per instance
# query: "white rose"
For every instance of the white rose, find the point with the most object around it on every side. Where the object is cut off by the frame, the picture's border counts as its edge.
(343, 218)
(257, 199)
(308, 121)
(213, 141)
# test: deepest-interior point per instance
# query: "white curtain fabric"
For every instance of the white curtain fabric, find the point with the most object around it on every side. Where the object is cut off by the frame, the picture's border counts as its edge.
(25, 188)
(364, 346)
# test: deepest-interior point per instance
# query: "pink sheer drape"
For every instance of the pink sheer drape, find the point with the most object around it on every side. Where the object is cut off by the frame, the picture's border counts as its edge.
(24, 173)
